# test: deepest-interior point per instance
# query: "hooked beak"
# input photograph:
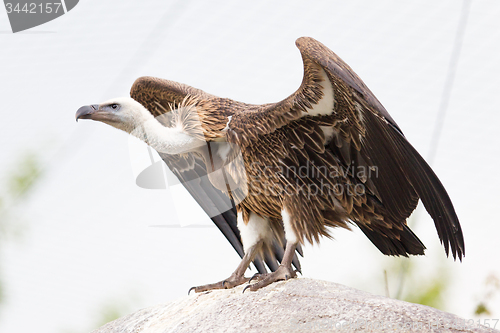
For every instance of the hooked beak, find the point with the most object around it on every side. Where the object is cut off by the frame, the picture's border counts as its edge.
(86, 112)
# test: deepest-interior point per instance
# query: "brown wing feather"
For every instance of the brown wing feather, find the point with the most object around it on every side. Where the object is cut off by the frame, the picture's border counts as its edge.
(364, 135)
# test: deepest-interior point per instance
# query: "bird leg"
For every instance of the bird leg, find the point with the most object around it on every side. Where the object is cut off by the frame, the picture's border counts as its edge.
(237, 277)
(284, 271)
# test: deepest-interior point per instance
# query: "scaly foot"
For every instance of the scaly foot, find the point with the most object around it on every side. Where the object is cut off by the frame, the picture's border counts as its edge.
(229, 283)
(282, 273)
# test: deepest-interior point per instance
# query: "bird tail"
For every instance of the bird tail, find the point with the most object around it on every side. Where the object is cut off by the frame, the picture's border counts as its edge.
(406, 243)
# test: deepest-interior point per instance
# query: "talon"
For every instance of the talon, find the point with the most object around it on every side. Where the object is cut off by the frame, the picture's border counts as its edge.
(191, 289)
(245, 288)
(253, 277)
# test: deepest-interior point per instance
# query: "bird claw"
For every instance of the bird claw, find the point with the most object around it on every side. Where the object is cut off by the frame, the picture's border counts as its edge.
(282, 273)
(256, 276)
(229, 283)
(246, 288)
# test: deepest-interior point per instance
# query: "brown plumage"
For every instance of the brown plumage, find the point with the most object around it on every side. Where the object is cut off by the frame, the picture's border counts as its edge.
(327, 156)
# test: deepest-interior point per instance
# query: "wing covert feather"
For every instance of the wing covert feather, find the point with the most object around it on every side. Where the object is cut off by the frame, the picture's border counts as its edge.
(363, 135)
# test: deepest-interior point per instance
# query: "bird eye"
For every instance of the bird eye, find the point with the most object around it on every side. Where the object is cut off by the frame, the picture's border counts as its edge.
(114, 106)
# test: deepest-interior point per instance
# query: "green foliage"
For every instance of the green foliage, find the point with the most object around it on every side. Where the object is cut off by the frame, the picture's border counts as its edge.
(410, 288)
(115, 308)
(110, 310)
(24, 176)
(491, 289)
(431, 293)
(482, 309)
(19, 182)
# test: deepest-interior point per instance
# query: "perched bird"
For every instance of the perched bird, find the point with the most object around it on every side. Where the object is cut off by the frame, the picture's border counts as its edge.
(327, 156)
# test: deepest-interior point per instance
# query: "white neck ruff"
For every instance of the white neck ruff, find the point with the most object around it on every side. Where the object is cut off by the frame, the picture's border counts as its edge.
(168, 140)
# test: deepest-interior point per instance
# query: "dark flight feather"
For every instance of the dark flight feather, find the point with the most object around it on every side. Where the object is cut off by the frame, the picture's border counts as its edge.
(364, 135)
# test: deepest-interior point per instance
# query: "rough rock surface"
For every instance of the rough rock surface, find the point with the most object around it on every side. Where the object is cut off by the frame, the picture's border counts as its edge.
(297, 305)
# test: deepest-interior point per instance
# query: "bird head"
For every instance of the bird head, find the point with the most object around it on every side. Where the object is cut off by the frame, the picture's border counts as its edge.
(123, 113)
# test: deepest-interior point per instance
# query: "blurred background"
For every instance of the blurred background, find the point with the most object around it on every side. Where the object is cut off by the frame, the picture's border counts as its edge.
(79, 242)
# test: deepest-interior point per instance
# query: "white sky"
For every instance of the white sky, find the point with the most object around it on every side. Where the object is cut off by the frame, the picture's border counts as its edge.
(89, 239)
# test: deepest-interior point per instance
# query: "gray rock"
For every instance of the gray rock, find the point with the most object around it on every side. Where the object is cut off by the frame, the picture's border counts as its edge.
(297, 305)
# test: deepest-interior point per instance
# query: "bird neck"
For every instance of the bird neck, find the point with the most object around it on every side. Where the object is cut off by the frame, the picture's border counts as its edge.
(168, 140)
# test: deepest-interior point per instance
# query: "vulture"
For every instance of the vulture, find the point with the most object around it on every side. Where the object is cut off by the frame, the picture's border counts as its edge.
(277, 175)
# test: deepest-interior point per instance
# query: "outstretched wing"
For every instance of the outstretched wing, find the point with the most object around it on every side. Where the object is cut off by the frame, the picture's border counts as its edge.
(359, 132)
(157, 95)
